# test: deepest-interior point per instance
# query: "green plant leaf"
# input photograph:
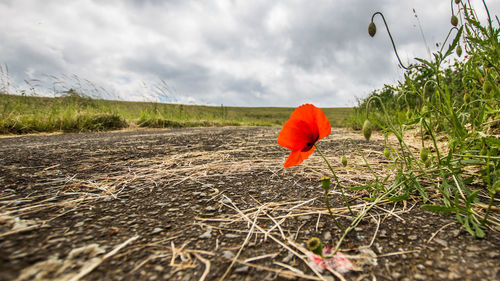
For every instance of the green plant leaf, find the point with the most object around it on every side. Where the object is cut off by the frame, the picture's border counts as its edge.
(439, 209)
(399, 198)
(479, 233)
(455, 42)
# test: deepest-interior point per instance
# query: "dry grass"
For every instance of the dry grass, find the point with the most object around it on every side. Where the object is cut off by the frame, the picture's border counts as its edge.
(264, 221)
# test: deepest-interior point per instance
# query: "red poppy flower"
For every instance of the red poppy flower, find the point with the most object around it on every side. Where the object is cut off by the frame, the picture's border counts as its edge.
(306, 126)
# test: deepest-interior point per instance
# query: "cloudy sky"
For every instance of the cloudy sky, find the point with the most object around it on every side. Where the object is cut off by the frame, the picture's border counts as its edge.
(231, 52)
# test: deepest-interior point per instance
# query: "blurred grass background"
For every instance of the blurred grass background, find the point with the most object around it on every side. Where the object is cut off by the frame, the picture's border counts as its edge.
(76, 112)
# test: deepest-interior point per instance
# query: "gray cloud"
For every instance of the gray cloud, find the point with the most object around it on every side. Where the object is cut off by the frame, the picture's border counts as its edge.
(255, 53)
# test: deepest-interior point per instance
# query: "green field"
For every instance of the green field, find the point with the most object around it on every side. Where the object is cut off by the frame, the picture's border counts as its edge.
(74, 112)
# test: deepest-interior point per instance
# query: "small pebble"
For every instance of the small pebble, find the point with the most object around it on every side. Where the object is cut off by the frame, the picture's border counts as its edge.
(441, 242)
(159, 268)
(413, 237)
(455, 233)
(419, 276)
(206, 234)
(493, 255)
(395, 275)
(210, 208)
(228, 254)
(327, 236)
(242, 269)
(157, 230)
(473, 248)
(186, 277)
(288, 258)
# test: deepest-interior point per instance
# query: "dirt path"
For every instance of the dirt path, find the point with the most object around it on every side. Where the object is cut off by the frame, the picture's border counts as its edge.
(191, 204)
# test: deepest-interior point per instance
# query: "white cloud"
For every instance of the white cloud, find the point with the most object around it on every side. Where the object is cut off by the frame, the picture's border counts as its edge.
(232, 52)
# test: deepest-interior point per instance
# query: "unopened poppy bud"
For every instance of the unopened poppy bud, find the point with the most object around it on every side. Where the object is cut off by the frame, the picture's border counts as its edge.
(387, 153)
(459, 50)
(315, 246)
(344, 160)
(367, 129)
(487, 86)
(372, 29)
(325, 182)
(424, 154)
(457, 2)
(454, 20)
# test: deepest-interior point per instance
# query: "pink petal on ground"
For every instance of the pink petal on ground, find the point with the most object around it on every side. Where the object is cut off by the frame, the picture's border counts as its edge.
(338, 262)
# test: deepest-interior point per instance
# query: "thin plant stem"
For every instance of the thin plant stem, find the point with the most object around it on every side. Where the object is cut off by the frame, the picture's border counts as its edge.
(358, 219)
(390, 36)
(492, 194)
(330, 211)
(488, 13)
(490, 204)
(362, 156)
(337, 180)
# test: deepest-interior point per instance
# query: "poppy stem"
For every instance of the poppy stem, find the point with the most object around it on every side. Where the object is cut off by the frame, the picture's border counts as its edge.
(327, 201)
(337, 180)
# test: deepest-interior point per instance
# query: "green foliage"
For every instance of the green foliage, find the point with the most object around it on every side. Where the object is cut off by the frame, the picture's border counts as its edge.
(449, 99)
(74, 112)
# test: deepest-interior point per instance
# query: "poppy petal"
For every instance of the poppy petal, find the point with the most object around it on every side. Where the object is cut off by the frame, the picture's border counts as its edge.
(295, 135)
(296, 157)
(324, 127)
(314, 117)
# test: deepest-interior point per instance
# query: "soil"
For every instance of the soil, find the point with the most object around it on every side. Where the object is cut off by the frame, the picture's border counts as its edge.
(211, 204)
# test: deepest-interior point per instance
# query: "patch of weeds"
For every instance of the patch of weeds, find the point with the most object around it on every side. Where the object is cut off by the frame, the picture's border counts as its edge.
(453, 102)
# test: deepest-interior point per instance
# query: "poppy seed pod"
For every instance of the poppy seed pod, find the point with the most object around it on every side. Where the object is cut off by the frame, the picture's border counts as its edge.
(367, 129)
(459, 50)
(344, 160)
(387, 153)
(454, 20)
(372, 29)
(315, 246)
(424, 154)
(487, 86)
